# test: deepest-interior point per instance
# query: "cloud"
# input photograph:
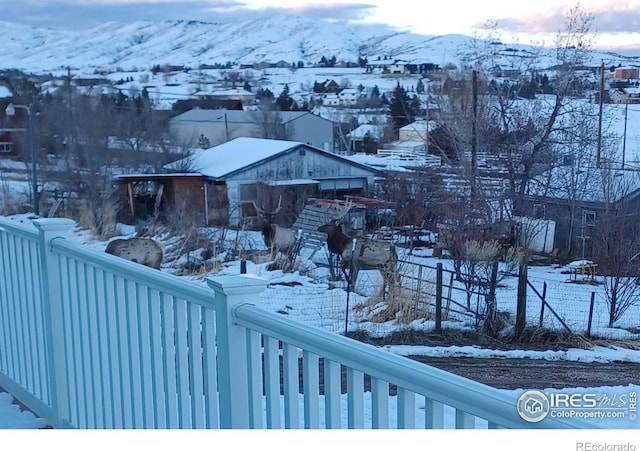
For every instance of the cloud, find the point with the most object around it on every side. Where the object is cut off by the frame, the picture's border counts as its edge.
(608, 18)
(86, 14)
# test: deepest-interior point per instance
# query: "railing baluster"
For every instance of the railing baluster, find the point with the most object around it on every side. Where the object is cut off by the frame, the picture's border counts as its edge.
(157, 363)
(272, 382)
(210, 372)
(465, 420)
(355, 399)
(102, 330)
(145, 341)
(254, 367)
(195, 370)
(311, 388)
(379, 403)
(182, 370)
(433, 414)
(332, 391)
(406, 409)
(291, 376)
(169, 361)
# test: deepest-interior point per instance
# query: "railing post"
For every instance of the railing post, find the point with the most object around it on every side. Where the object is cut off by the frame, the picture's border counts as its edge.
(233, 378)
(51, 278)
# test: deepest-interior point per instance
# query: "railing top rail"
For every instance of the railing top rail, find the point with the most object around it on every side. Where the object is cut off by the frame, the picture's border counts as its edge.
(23, 228)
(470, 396)
(135, 272)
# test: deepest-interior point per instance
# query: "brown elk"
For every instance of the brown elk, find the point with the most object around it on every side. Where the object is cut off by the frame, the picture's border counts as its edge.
(145, 251)
(276, 238)
(359, 253)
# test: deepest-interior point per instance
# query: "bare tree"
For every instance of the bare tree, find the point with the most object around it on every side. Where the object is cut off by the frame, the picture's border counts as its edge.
(269, 121)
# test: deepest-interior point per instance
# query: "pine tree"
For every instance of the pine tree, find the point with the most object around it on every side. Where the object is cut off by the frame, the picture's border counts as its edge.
(203, 142)
(401, 110)
(420, 87)
(247, 86)
(284, 100)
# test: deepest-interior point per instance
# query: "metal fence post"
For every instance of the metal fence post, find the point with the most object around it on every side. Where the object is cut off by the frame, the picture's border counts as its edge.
(439, 298)
(51, 279)
(233, 378)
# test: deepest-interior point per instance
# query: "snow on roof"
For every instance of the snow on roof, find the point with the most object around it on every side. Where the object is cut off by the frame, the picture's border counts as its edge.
(374, 131)
(231, 116)
(420, 125)
(231, 92)
(221, 160)
(5, 93)
(587, 184)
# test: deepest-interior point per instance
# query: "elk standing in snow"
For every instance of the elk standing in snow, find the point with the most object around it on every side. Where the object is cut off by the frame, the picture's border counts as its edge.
(276, 238)
(359, 253)
(145, 251)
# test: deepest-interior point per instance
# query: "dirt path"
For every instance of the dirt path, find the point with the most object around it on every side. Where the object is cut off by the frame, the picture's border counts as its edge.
(527, 373)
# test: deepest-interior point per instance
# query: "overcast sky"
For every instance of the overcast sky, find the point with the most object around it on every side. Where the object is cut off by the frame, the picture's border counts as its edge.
(617, 22)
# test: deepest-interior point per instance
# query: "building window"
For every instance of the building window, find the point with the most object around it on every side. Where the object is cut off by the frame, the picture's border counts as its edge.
(538, 211)
(589, 218)
(5, 147)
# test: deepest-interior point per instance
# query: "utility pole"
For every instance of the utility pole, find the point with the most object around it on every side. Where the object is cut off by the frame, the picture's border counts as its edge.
(624, 139)
(601, 102)
(474, 134)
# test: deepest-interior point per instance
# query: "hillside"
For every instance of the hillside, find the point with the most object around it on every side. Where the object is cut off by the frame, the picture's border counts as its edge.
(139, 45)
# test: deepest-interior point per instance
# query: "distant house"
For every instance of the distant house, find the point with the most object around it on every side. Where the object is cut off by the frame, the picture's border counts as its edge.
(246, 97)
(398, 68)
(580, 201)
(6, 123)
(223, 125)
(626, 95)
(224, 181)
(626, 73)
(327, 86)
(416, 131)
(365, 138)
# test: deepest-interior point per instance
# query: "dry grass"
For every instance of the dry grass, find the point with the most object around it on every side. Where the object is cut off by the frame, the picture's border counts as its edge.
(400, 304)
(98, 217)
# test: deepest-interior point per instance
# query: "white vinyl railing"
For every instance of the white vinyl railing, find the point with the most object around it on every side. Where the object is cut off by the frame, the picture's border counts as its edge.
(88, 340)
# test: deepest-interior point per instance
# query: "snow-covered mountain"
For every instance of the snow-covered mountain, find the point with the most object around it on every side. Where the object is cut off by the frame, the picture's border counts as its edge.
(140, 45)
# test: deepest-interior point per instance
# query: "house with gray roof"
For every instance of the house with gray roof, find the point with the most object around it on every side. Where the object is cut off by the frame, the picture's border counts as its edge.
(218, 126)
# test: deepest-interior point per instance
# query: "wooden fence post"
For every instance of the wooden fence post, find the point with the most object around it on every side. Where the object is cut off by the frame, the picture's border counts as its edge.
(439, 298)
(521, 309)
(233, 377)
(52, 276)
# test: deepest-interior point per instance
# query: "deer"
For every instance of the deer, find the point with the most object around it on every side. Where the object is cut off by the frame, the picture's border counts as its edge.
(276, 238)
(358, 253)
(145, 251)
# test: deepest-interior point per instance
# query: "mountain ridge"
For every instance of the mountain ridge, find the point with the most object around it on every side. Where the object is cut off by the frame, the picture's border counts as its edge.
(135, 45)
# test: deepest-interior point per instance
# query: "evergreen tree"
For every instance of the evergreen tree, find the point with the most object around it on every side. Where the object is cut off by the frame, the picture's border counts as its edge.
(420, 87)
(401, 108)
(247, 86)
(323, 61)
(284, 100)
(264, 93)
(203, 142)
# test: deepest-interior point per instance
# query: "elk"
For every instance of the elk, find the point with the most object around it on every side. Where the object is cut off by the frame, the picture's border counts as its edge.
(276, 238)
(145, 251)
(365, 252)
